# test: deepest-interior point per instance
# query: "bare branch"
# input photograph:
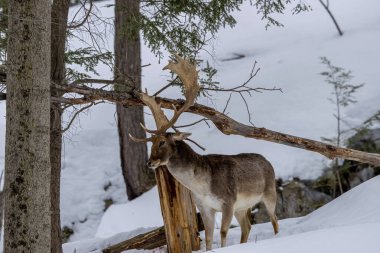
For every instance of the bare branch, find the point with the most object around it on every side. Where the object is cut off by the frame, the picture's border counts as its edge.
(227, 103)
(89, 80)
(247, 107)
(225, 124)
(166, 86)
(74, 26)
(243, 88)
(326, 7)
(77, 113)
(199, 146)
(194, 123)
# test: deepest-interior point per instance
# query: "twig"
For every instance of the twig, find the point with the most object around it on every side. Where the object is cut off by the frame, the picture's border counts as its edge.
(326, 7)
(243, 88)
(74, 26)
(89, 80)
(77, 113)
(199, 146)
(247, 107)
(194, 123)
(165, 87)
(227, 103)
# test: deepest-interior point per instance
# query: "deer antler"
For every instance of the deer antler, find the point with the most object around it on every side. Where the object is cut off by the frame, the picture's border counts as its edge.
(189, 76)
(139, 139)
(158, 114)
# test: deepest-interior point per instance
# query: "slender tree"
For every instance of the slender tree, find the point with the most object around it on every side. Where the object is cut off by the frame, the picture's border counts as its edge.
(27, 214)
(59, 15)
(342, 96)
(138, 177)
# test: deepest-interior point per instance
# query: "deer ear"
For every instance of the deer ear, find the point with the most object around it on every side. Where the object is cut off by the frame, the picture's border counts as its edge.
(180, 136)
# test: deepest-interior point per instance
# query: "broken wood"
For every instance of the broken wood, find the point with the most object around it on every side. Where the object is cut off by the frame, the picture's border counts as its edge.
(178, 212)
(150, 240)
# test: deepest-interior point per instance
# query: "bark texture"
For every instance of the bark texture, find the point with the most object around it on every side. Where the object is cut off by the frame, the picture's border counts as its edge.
(59, 15)
(27, 156)
(178, 212)
(137, 176)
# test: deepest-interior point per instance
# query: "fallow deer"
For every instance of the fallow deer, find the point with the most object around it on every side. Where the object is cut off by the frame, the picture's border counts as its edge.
(230, 184)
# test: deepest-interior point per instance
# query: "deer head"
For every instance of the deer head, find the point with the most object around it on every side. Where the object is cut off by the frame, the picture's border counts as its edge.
(163, 142)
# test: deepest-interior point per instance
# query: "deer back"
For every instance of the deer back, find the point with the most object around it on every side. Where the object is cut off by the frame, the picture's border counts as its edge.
(222, 176)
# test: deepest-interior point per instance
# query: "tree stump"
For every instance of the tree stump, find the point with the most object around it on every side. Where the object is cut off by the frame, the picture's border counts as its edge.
(178, 212)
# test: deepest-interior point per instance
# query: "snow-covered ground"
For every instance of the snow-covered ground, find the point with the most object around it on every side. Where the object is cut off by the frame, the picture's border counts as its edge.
(347, 224)
(288, 58)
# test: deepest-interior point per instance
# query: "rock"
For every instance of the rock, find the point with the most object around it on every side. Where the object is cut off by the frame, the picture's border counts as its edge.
(294, 198)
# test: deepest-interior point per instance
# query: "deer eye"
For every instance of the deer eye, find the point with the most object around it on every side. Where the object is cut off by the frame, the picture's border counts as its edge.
(161, 143)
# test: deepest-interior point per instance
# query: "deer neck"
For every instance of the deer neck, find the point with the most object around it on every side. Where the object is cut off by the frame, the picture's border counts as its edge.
(183, 164)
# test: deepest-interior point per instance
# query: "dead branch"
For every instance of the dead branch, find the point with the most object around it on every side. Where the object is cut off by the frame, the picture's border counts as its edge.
(93, 81)
(195, 143)
(225, 124)
(194, 123)
(73, 25)
(77, 113)
(244, 88)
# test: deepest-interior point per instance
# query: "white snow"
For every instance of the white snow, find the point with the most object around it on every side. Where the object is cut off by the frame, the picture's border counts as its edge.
(90, 175)
(288, 58)
(142, 212)
(347, 224)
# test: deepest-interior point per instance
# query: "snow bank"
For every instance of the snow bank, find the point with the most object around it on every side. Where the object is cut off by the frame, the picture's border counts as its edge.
(288, 58)
(144, 212)
(352, 239)
(348, 224)
(91, 175)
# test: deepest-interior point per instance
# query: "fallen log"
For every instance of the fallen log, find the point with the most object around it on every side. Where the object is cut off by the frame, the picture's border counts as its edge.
(150, 240)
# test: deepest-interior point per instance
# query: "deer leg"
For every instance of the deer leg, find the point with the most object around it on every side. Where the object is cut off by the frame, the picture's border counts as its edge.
(245, 225)
(270, 204)
(227, 213)
(208, 217)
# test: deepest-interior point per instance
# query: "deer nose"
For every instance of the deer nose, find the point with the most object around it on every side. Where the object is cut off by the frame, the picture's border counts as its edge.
(153, 163)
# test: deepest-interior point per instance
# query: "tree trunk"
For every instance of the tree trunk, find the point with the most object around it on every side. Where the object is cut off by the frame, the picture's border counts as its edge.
(59, 16)
(27, 220)
(178, 212)
(137, 176)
